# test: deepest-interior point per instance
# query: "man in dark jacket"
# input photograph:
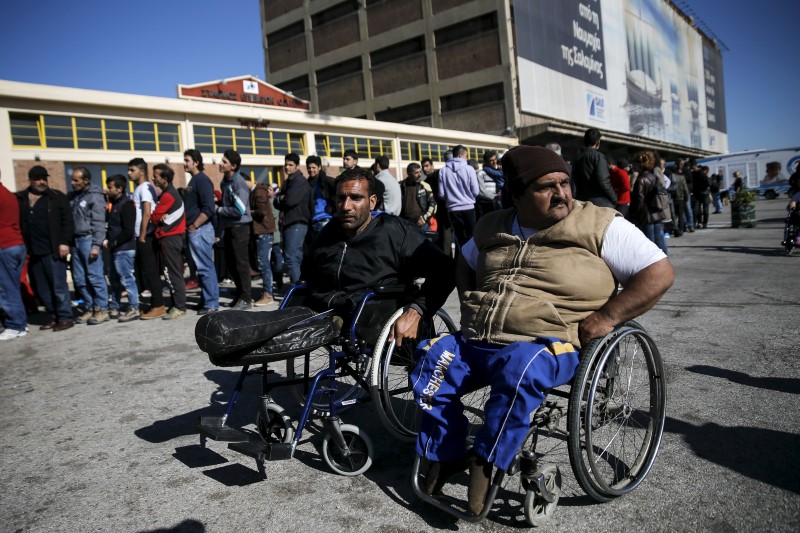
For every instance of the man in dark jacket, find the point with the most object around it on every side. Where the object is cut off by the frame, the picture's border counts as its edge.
(121, 242)
(357, 251)
(418, 203)
(88, 205)
(323, 192)
(200, 231)
(294, 202)
(46, 221)
(263, 230)
(701, 188)
(591, 175)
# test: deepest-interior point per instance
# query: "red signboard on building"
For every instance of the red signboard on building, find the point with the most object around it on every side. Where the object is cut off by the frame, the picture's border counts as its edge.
(247, 90)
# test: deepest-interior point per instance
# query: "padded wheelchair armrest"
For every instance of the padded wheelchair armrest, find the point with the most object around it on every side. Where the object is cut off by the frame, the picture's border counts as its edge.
(391, 290)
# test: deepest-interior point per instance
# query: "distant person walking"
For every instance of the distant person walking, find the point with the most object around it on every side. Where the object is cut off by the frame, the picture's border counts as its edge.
(458, 187)
(591, 174)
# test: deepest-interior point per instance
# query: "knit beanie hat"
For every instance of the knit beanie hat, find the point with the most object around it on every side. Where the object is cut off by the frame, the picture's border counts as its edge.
(531, 162)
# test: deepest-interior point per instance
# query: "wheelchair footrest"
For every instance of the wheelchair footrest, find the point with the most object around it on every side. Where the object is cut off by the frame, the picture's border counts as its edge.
(263, 451)
(212, 427)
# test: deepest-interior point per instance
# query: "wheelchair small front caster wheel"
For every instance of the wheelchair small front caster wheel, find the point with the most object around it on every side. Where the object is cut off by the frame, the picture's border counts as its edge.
(274, 425)
(355, 459)
(538, 510)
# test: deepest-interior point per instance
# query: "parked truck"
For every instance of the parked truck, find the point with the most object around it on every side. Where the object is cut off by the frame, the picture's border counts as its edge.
(765, 171)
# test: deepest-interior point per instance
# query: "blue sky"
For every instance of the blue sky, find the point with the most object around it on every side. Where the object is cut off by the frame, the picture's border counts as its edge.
(148, 47)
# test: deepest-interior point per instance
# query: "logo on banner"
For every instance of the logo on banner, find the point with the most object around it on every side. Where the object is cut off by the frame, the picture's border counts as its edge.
(250, 87)
(596, 105)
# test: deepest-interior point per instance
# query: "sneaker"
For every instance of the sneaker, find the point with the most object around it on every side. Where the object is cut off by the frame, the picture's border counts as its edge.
(266, 299)
(84, 317)
(130, 315)
(146, 294)
(243, 305)
(226, 281)
(154, 312)
(192, 285)
(99, 317)
(9, 334)
(173, 313)
(113, 314)
(207, 310)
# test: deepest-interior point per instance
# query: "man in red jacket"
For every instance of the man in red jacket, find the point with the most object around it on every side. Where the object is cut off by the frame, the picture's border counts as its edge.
(170, 221)
(621, 182)
(12, 257)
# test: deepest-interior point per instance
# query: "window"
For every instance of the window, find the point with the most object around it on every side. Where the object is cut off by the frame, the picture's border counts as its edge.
(472, 98)
(367, 148)
(397, 51)
(284, 34)
(216, 140)
(339, 70)
(86, 133)
(296, 84)
(405, 113)
(466, 29)
(332, 13)
(100, 173)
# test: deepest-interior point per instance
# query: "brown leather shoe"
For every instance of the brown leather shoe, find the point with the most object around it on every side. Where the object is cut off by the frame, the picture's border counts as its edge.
(63, 324)
(480, 477)
(49, 325)
(154, 312)
(439, 473)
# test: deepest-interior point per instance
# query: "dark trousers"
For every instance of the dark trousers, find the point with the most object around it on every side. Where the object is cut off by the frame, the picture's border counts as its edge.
(237, 241)
(172, 256)
(700, 205)
(680, 214)
(49, 277)
(148, 265)
(463, 225)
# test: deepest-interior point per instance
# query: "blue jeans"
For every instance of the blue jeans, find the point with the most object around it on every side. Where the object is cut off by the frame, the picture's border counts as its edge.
(655, 232)
(264, 253)
(717, 202)
(88, 276)
(450, 367)
(121, 275)
(49, 278)
(293, 238)
(11, 261)
(689, 213)
(201, 245)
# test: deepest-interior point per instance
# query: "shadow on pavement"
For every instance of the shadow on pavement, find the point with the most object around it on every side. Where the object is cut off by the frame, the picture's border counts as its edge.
(187, 526)
(767, 251)
(765, 455)
(788, 385)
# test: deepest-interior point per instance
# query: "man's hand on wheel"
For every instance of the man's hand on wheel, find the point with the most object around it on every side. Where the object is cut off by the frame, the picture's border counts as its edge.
(594, 326)
(406, 327)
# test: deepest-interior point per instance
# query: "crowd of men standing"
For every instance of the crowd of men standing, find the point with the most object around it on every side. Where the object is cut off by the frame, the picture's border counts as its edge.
(142, 241)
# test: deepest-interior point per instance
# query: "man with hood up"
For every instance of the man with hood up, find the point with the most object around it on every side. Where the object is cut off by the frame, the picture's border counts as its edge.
(458, 187)
(88, 205)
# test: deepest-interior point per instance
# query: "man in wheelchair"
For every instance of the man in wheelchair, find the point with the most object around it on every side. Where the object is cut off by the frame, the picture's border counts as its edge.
(537, 281)
(357, 252)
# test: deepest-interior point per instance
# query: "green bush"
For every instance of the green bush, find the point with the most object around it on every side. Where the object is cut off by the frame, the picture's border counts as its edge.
(744, 197)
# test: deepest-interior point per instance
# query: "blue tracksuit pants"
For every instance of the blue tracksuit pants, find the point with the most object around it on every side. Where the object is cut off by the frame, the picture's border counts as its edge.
(450, 367)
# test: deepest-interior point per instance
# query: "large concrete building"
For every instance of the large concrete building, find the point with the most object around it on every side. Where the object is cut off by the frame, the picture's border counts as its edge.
(537, 70)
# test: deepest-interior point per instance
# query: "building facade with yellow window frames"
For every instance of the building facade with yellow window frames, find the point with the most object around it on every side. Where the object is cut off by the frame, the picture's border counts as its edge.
(60, 128)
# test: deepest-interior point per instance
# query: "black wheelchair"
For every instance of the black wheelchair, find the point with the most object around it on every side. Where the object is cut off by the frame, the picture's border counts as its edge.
(790, 230)
(614, 410)
(331, 365)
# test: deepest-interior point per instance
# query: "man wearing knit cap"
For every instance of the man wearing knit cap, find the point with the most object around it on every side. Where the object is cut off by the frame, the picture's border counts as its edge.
(537, 281)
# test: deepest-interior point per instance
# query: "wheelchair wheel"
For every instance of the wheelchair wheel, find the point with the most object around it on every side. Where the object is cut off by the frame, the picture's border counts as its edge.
(789, 236)
(538, 511)
(616, 412)
(347, 388)
(274, 425)
(390, 387)
(358, 458)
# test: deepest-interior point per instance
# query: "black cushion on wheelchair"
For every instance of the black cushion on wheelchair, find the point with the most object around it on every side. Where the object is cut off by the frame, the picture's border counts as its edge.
(237, 331)
(295, 341)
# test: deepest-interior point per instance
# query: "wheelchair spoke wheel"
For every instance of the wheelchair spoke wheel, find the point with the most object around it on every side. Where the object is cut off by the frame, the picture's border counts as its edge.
(616, 413)
(274, 425)
(538, 510)
(391, 388)
(347, 388)
(355, 459)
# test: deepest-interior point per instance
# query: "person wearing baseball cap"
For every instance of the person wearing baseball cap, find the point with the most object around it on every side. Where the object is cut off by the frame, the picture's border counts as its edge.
(536, 282)
(47, 228)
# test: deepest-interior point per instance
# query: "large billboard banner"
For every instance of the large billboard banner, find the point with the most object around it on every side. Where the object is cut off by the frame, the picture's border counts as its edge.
(633, 66)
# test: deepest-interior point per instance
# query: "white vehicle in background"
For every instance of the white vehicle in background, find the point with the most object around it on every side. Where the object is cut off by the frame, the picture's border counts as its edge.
(766, 171)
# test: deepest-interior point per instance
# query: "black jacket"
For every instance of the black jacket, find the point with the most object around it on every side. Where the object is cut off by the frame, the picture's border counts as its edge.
(59, 218)
(295, 199)
(390, 251)
(592, 179)
(327, 186)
